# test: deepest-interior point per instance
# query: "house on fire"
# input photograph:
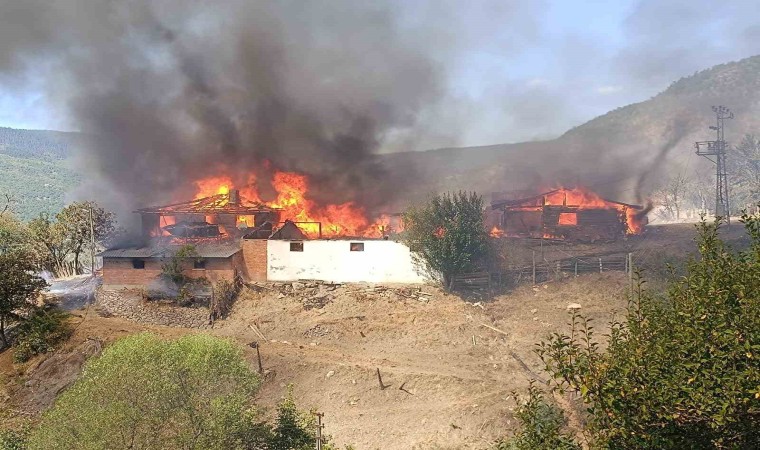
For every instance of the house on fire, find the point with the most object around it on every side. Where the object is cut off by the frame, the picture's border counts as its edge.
(234, 239)
(569, 214)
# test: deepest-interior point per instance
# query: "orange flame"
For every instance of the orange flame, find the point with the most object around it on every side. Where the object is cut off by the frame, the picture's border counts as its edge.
(345, 219)
(579, 199)
(496, 232)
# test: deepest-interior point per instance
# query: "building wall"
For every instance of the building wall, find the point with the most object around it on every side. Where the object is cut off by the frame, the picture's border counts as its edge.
(255, 259)
(118, 272)
(332, 260)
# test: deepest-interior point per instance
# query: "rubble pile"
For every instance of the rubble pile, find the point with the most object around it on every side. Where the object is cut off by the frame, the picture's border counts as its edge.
(317, 294)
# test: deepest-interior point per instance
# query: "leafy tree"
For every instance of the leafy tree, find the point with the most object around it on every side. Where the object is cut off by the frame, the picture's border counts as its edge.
(13, 234)
(18, 287)
(540, 425)
(64, 239)
(681, 371)
(78, 219)
(293, 430)
(744, 166)
(52, 243)
(447, 235)
(145, 392)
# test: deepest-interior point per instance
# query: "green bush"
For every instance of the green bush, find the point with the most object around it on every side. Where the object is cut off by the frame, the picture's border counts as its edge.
(447, 236)
(40, 333)
(541, 425)
(681, 372)
(146, 392)
(13, 440)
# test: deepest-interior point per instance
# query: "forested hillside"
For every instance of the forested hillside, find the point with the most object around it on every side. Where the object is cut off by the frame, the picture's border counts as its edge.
(35, 170)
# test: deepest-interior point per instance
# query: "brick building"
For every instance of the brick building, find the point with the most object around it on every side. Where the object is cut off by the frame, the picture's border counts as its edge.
(137, 267)
(227, 247)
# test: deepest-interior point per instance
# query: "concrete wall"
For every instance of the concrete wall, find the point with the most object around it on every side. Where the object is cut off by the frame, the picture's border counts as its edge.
(118, 272)
(332, 260)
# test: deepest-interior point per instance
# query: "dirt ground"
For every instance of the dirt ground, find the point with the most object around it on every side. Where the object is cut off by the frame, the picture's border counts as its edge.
(456, 374)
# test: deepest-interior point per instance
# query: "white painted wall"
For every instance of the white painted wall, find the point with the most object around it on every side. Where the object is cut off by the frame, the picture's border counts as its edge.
(332, 260)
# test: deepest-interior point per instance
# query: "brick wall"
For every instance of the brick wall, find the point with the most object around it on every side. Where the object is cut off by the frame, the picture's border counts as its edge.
(255, 259)
(119, 271)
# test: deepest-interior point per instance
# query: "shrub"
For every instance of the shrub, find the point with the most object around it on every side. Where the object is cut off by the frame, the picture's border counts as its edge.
(681, 372)
(540, 425)
(447, 235)
(146, 392)
(40, 333)
(13, 439)
(224, 293)
(172, 268)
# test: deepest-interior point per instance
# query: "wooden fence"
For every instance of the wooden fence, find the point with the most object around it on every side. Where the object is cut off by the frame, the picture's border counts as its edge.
(540, 271)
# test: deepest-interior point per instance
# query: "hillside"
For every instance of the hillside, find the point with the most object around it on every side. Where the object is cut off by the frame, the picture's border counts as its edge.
(622, 154)
(611, 152)
(35, 168)
(40, 144)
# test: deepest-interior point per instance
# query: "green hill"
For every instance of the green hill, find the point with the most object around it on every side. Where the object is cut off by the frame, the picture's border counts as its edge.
(35, 170)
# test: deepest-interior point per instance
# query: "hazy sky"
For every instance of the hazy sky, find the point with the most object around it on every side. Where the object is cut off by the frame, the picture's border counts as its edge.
(525, 70)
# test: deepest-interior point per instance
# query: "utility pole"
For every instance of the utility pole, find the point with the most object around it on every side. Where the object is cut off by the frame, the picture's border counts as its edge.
(92, 244)
(715, 151)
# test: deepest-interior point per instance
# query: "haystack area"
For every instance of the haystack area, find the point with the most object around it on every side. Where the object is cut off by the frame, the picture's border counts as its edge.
(455, 372)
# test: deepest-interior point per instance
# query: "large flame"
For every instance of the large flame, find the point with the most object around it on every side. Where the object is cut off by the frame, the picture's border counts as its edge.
(330, 220)
(576, 199)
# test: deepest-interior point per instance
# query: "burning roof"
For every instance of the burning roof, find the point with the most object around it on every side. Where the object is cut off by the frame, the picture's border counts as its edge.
(575, 214)
(223, 203)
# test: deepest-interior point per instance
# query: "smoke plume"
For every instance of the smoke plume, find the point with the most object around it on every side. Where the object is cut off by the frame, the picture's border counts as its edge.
(170, 92)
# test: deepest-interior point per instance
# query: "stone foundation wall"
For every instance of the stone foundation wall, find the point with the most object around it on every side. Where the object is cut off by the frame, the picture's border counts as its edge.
(128, 303)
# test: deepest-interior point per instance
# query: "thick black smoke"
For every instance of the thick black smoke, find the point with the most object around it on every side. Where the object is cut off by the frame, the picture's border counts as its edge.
(172, 91)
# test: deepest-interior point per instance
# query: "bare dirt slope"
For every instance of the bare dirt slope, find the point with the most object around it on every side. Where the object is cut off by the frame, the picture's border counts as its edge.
(456, 373)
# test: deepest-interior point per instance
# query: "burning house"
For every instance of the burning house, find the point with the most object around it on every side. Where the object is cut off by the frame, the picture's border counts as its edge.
(234, 238)
(568, 214)
(225, 214)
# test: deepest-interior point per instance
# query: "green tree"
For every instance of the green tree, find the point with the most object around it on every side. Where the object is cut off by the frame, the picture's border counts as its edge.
(681, 372)
(18, 287)
(14, 235)
(447, 235)
(541, 425)
(81, 223)
(293, 430)
(63, 240)
(146, 392)
(53, 246)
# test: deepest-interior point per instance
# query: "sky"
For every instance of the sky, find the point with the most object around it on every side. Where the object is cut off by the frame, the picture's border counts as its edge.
(519, 70)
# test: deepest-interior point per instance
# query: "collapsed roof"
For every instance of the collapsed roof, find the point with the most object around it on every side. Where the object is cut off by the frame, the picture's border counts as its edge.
(230, 203)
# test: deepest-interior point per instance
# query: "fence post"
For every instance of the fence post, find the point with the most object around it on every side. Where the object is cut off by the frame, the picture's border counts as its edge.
(600, 265)
(576, 267)
(630, 275)
(534, 267)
